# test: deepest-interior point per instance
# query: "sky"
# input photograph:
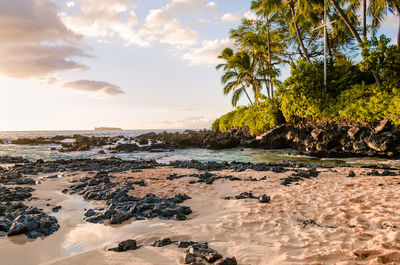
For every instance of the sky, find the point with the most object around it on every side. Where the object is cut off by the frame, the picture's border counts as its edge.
(133, 64)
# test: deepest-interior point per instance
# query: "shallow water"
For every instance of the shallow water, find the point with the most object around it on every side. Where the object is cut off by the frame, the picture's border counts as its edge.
(74, 236)
(241, 155)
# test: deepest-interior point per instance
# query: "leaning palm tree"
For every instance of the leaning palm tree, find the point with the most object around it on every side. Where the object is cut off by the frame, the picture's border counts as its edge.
(347, 21)
(380, 8)
(352, 28)
(240, 73)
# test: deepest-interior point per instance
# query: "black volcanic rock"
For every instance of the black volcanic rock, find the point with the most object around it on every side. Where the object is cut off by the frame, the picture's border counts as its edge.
(17, 218)
(12, 160)
(15, 193)
(125, 245)
(120, 206)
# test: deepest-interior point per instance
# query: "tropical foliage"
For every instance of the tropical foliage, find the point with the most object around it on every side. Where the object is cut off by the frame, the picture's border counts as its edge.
(289, 33)
(256, 118)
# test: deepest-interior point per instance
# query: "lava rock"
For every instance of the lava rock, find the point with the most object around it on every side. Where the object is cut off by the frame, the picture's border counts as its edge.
(227, 261)
(264, 199)
(120, 206)
(56, 209)
(162, 243)
(15, 194)
(351, 174)
(125, 245)
(12, 160)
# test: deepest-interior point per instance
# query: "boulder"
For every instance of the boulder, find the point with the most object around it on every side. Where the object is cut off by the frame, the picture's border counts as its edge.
(381, 143)
(226, 261)
(125, 245)
(383, 125)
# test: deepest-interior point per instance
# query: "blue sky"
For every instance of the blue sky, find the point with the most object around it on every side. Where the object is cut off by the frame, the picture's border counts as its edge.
(123, 63)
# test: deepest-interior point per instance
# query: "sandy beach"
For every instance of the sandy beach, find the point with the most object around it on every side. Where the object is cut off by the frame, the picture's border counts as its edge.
(330, 219)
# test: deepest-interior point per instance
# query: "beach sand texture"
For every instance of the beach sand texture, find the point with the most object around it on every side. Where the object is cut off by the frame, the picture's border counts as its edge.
(356, 221)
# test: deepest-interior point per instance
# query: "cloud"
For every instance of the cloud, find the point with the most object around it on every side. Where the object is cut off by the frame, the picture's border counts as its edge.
(100, 87)
(51, 80)
(105, 18)
(160, 26)
(212, 6)
(36, 61)
(192, 122)
(208, 53)
(191, 6)
(250, 15)
(234, 17)
(110, 18)
(34, 42)
(70, 4)
(230, 17)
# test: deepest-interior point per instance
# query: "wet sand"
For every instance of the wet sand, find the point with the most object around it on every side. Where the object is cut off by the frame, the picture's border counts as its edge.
(358, 221)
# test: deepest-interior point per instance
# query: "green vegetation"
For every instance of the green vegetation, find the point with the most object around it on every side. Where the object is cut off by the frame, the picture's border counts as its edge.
(289, 33)
(258, 118)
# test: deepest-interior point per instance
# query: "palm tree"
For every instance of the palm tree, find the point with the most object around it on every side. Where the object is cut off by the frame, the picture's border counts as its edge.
(347, 21)
(364, 14)
(353, 30)
(258, 7)
(380, 8)
(268, 7)
(240, 72)
(250, 36)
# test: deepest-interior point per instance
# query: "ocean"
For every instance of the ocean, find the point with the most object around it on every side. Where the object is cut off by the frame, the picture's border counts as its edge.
(241, 155)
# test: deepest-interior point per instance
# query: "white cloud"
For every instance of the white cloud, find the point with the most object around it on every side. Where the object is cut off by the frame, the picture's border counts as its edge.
(250, 15)
(160, 26)
(234, 17)
(190, 6)
(70, 4)
(34, 42)
(230, 17)
(105, 18)
(99, 87)
(208, 53)
(192, 122)
(109, 18)
(212, 5)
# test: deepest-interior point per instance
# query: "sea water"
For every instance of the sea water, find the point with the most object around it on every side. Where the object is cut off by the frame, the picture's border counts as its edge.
(237, 154)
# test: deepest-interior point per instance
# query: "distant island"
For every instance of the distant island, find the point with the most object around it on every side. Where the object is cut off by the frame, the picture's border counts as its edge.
(107, 129)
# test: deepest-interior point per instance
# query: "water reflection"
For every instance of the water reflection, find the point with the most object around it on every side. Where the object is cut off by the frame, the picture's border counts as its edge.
(74, 236)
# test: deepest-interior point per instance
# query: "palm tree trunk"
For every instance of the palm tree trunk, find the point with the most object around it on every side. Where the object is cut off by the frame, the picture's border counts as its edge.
(347, 21)
(269, 59)
(354, 32)
(298, 33)
(397, 7)
(329, 46)
(256, 96)
(267, 85)
(247, 95)
(364, 6)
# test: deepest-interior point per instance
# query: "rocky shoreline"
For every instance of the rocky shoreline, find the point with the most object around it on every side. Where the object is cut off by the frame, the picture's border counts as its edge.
(328, 139)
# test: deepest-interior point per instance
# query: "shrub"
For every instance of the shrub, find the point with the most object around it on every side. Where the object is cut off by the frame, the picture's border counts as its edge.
(364, 103)
(303, 95)
(383, 59)
(257, 118)
(394, 108)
